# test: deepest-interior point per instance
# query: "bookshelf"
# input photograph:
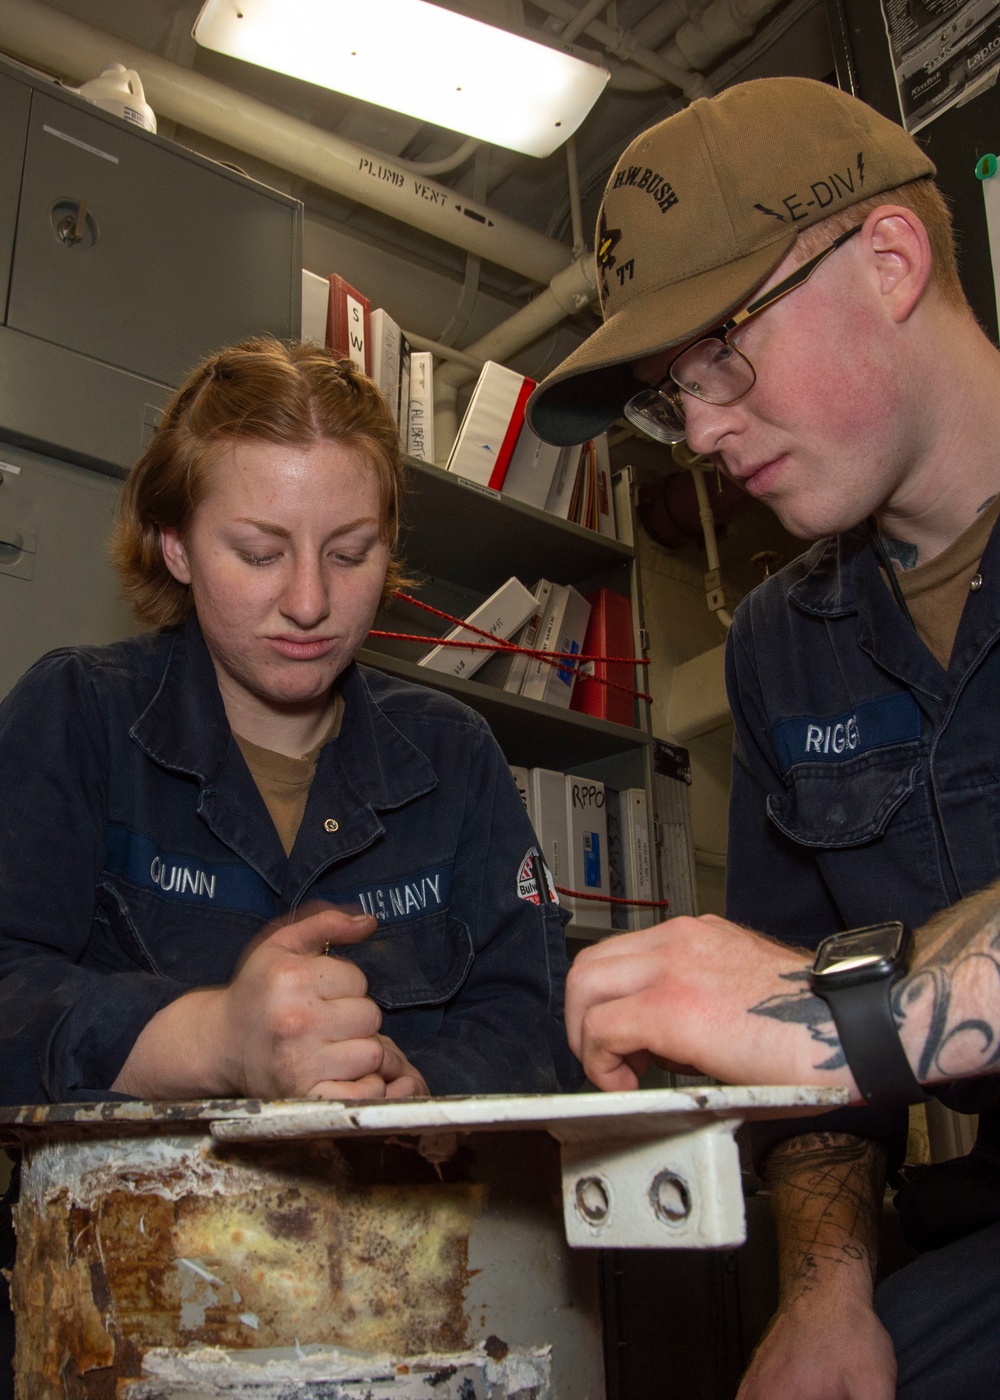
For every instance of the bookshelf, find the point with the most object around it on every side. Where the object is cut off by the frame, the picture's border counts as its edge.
(460, 542)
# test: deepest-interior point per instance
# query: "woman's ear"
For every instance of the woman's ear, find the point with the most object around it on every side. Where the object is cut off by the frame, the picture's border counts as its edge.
(174, 553)
(900, 251)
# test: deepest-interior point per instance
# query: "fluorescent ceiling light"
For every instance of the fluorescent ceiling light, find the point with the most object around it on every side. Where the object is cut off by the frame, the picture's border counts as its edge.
(417, 58)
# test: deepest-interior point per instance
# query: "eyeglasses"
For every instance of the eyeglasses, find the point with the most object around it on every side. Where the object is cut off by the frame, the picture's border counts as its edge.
(713, 370)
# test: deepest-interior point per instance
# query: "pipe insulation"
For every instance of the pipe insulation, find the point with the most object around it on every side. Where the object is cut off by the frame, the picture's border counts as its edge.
(724, 24)
(39, 35)
(568, 292)
(622, 43)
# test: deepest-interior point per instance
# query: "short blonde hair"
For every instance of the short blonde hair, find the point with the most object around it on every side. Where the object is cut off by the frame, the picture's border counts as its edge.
(261, 390)
(930, 207)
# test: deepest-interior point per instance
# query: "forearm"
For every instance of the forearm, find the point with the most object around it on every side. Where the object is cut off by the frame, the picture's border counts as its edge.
(948, 1006)
(827, 1193)
(176, 1055)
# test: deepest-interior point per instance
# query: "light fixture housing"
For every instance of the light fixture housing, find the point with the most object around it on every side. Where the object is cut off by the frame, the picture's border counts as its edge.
(417, 58)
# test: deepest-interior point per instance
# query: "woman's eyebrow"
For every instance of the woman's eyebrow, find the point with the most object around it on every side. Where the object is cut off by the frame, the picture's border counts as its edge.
(269, 528)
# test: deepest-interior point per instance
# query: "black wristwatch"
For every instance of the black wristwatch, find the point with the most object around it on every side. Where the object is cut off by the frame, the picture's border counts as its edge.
(854, 973)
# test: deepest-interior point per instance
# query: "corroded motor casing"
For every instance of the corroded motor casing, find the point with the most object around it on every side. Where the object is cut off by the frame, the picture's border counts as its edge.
(157, 1263)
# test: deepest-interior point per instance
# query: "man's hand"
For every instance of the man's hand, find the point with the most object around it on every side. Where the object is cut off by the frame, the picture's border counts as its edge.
(823, 1350)
(293, 1023)
(701, 993)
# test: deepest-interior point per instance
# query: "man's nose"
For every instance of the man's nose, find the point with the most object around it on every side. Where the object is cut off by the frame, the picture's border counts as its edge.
(708, 426)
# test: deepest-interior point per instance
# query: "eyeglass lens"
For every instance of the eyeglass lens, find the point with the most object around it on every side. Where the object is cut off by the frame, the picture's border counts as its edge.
(713, 371)
(656, 415)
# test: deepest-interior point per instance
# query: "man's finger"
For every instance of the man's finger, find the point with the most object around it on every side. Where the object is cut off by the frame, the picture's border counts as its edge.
(612, 1033)
(593, 984)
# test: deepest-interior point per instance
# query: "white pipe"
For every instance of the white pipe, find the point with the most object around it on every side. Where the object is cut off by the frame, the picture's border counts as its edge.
(444, 352)
(575, 27)
(624, 44)
(568, 292)
(42, 36)
(662, 22)
(575, 207)
(723, 25)
(458, 157)
(708, 530)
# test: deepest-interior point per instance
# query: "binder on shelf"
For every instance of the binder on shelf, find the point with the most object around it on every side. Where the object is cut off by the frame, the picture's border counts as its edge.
(501, 615)
(560, 494)
(420, 407)
(609, 633)
(520, 776)
(489, 430)
(532, 468)
(563, 629)
(508, 672)
(547, 810)
(672, 766)
(630, 869)
(403, 393)
(386, 347)
(606, 522)
(587, 830)
(348, 330)
(315, 307)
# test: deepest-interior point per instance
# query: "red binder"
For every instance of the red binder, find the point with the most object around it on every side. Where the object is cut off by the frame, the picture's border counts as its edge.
(348, 329)
(609, 633)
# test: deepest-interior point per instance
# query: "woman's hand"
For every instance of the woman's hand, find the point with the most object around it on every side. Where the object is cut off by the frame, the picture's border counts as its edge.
(293, 1023)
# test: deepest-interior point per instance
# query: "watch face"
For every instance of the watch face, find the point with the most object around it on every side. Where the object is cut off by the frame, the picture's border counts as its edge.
(866, 953)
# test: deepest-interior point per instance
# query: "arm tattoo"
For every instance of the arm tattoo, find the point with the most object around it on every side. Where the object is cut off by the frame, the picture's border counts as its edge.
(827, 1190)
(809, 1010)
(953, 990)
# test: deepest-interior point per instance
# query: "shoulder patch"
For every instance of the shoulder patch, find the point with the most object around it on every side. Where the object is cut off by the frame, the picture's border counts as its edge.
(527, 885)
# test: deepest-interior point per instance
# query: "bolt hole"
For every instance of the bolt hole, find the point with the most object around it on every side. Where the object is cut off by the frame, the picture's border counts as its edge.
(670, 1198)
(592, 1201)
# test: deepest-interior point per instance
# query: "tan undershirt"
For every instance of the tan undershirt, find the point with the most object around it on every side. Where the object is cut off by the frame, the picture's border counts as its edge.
(936, 592)
(284, 782)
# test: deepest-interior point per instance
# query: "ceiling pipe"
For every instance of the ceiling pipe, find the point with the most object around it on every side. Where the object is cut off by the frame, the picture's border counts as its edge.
(662, 23)
(624, 44)
(720, 27)
(568, 292)
(458, 157)
(44, 37)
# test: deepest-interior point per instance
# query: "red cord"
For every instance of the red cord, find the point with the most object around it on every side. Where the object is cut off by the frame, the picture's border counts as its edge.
(551, 658)
(616, 899)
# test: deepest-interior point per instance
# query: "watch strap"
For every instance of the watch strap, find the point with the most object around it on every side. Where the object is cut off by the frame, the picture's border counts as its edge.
(870, 1041)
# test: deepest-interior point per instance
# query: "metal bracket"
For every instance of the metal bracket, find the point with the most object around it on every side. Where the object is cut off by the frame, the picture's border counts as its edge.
(680, 1192)
(715, 598)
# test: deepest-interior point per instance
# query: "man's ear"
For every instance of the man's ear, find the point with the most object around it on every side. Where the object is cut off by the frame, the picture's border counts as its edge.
(174, 553)
(900, 252)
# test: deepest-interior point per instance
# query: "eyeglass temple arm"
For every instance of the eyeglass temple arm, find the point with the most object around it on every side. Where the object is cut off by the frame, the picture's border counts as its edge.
(795, 279)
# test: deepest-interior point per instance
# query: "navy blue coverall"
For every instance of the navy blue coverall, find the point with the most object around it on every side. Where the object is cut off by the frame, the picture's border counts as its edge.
(866, 787)
(137, 861)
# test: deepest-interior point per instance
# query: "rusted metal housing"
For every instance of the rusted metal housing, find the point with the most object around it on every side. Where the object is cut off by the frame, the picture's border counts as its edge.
(387, 1251)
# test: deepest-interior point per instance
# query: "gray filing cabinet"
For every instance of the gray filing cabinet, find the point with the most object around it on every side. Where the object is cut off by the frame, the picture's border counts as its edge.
(168, 257)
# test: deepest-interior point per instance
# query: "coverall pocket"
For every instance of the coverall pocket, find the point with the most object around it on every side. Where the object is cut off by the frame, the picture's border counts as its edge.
(422, 962)
(833, 805)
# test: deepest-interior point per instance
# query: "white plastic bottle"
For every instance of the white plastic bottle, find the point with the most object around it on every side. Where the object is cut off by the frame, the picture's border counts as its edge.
(119, 90)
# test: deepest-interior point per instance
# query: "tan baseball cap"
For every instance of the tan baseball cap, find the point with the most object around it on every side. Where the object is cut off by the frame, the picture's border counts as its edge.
(699, 211)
